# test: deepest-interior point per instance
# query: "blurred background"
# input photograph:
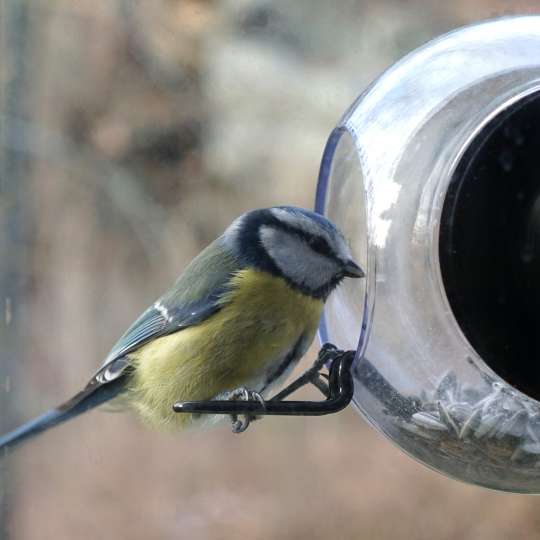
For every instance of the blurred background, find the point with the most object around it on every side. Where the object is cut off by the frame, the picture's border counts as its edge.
(131, 134)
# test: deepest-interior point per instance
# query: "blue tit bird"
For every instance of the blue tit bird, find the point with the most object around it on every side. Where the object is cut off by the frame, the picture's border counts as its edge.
(242, 314)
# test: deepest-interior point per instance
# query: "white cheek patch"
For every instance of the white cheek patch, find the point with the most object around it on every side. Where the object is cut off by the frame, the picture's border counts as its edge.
(296, 260)
(302, 223)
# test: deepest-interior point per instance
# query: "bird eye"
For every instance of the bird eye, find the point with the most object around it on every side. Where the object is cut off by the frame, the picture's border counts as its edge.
(320, 245)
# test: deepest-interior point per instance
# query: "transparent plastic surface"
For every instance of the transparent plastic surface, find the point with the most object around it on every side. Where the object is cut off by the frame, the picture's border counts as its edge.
(384, 179)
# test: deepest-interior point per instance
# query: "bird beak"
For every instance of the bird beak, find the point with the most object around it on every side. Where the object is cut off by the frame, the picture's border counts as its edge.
(351, 269)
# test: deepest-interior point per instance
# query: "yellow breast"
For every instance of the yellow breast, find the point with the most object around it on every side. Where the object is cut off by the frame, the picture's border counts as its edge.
(262, 318)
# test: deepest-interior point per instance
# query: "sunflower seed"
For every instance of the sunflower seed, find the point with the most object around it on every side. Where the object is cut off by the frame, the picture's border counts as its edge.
(418, 431)
(428, 421)
(471, 423)
(446, 418)
(488, 424)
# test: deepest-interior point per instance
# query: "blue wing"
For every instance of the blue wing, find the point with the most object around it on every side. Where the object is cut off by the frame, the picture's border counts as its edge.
(194, 297)
(161, 319)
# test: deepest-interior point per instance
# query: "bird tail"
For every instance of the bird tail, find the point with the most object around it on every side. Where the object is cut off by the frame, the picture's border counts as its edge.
(92, 396)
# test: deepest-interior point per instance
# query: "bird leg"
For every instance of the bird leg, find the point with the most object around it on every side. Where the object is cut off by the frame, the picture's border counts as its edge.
(243, 394)
(313, 375)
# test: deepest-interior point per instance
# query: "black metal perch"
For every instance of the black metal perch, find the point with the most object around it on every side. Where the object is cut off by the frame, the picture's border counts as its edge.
(338, 391)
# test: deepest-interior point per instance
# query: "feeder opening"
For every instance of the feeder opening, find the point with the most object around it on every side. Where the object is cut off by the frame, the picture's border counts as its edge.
(489, 244)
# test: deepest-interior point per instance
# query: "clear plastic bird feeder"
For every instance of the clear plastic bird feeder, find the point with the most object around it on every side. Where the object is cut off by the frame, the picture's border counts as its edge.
(434, 176)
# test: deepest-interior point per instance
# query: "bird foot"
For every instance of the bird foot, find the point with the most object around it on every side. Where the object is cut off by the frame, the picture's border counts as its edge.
(241, 422)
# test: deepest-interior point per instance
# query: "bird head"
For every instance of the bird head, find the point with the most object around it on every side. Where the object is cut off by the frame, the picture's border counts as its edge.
(302, 247)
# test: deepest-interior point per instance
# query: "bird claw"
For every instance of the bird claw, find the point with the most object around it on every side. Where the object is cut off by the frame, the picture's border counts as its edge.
(239, 425)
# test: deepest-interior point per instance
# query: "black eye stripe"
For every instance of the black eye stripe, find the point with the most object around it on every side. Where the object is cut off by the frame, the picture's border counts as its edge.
(320, 245)
(316, 243)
